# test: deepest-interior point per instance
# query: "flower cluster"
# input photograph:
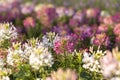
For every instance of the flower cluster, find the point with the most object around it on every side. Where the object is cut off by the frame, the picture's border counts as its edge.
(49, 39)
(111, 65)
(33, 52)
(7, 32)
(64, 44)
(91, 61)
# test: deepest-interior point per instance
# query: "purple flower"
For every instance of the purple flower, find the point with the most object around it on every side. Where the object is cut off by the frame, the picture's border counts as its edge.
(74, 23)
(27, 8)
(116, 17)
(61, 29)
(79, 16)
(85, 31)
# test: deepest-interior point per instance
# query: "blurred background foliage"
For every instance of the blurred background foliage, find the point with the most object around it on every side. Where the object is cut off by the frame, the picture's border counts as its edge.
(109, 5)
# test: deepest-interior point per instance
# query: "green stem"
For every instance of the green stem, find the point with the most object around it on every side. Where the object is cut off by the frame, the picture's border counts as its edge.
(35, 74)
(65, 59)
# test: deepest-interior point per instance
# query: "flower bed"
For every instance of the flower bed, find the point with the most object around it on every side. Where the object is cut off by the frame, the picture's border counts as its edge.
(44, 42)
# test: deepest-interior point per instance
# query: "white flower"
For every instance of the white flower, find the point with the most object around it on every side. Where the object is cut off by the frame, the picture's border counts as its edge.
(49, 39)
(7, 31)
(115, 78)
(14, 57)
(5, 78)
(15, 54)
(34, 61)
(110, 66)
(1, 62)
(40, 56)
(90, 63)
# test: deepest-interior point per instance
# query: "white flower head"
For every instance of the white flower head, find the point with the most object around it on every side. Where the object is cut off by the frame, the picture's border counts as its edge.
(5, 78)
(7, 31)
(91, 63)
(40, 56)
(49, 39)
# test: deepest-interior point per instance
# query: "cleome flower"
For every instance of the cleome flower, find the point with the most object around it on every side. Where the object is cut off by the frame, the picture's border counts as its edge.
(60, 74)
(7, 31)
(49, 39)
(92, 61)
(33, 52)
(65, 44)
(40, 56)
(14, 56)
(4, 73)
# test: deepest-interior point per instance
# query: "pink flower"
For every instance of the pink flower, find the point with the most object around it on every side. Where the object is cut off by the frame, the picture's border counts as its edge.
(69, 46)
(117, 40)
(103, 28)
(117, 29)
(101, 39)
(29, 22)
(109, 64)
(108, 20)
(57, 47)
(64, 45)
(92, 13)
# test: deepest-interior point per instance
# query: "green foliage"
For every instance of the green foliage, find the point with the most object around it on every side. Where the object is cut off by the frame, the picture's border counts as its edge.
(5, 43)
(34, 32)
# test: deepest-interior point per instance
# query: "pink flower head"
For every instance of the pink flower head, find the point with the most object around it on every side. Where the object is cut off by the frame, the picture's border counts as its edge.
(103, 28)
(101, 39)
(117, 29)
(108, 20)
(91, 13)
(109, 64)
(61, 11)
(117, 40)
(57, 47)
(27, 8)
(64, 45)
(29, 22)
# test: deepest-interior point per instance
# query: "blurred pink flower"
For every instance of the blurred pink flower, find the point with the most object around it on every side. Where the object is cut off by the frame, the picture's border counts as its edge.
(61, 74)
(117, 40)
(117, 29)
(101, 39)
(57, 47)
(29, 22)
(109, 64)
(27, 8)
(65, 44)
(92, 13)
(61, 11)
(108, 20)
(103, 28)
